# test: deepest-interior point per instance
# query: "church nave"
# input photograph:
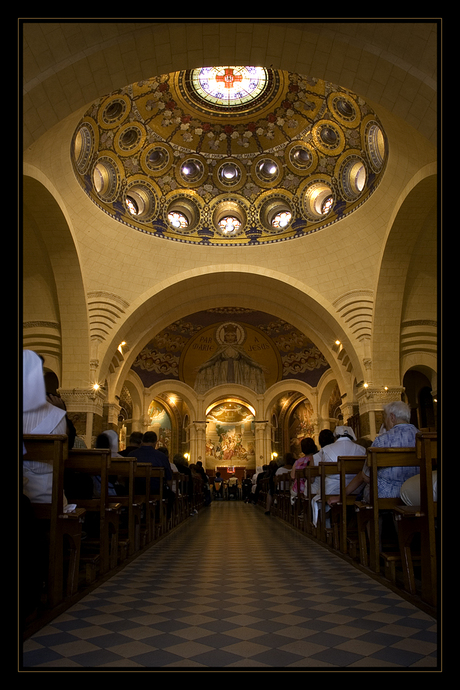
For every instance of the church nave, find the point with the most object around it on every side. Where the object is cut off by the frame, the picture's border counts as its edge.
(234, 589)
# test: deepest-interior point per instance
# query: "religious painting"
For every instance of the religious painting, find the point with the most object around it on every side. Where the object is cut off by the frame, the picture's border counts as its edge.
(230, 438)
(160, 423)
(230, 345)
(230, 353)
(300, 426)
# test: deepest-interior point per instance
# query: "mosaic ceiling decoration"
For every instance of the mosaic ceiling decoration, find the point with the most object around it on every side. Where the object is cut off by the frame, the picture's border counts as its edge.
(229, 155)
(230, 345)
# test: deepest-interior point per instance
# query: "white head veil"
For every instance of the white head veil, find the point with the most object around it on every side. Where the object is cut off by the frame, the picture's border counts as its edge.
(113, 441)
(39, 416)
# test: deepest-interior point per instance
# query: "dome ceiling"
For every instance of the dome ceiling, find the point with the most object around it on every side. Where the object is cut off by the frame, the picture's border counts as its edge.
(229, 155)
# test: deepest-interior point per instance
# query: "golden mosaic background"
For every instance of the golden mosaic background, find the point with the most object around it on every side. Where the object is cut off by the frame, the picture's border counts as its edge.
(136, 140)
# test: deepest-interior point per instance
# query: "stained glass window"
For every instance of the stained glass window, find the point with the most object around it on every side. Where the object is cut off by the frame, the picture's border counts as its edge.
(191, 169)
(282, 219)
(267, 169)
(229, 86)
(177, 220)
(327, 205)
(229, 224)
(132, 206)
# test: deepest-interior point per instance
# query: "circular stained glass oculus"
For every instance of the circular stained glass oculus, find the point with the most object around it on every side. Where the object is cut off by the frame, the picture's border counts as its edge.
(229, 224)
(282, 219)
(177, 220)
(191, 170)
(229, 172)
(329, 136)
(132, 205)
(156, 158)
(301, 157)
(113, 110)
(327, 205)
(229, 87)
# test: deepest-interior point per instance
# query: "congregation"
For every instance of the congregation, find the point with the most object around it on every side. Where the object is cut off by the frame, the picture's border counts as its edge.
(393, 482)
(46, 415)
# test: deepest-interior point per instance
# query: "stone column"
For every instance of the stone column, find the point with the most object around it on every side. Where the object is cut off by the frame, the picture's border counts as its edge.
(198, 442)
(111, 412)
(263, 443)
(371, 402)
(85, 407)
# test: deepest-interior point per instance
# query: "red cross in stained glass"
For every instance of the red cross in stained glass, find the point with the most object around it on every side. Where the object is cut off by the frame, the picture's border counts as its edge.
(229, 78)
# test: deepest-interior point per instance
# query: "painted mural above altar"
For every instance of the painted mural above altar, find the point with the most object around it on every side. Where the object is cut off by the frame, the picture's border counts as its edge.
(230, 345)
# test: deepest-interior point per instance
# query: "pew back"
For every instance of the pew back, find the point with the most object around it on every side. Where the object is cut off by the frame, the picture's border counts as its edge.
(52, 450)
(347, 465)
(378, 458)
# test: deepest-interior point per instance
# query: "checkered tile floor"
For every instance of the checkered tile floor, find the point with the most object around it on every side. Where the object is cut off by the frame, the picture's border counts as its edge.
(235, 589)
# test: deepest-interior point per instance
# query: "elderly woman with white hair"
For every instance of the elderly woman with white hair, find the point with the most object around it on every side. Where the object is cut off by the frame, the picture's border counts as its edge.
(398, 432)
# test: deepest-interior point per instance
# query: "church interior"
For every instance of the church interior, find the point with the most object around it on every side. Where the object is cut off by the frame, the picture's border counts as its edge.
(235, 257)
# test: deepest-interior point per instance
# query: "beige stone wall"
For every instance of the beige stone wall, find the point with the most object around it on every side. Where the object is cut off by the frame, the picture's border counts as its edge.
(78, 261)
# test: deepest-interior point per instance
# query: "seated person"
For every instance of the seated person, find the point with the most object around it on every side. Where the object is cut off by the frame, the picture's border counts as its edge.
(308, 447)
(233, 486)
(398, 433)
(38, 417)
(344, 445)
(410, 490)
(218, 485)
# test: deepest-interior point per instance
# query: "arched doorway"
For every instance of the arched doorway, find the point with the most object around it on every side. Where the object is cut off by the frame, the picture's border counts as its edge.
(230, 437)
(418, 392)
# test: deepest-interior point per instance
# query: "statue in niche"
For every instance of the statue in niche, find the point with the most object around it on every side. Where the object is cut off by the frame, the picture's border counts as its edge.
(230, 364)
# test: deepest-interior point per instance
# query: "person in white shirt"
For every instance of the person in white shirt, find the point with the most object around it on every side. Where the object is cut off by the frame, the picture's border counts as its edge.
(344, 445)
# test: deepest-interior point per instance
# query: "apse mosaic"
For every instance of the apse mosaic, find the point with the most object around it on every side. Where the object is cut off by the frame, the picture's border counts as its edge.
(230, 345)
(229, 155)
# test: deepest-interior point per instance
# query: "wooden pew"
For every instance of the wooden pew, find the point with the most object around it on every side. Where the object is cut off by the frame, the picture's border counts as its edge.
(347, 465)
(179, 488)
(421, 519)
(125, 469)
(96, 462)
(142, 495)
(310, 474)
(156, 496)
(64, 527)
(297, 515)
(182, 498)
(283, 495)
(327, 535)
(378, 458)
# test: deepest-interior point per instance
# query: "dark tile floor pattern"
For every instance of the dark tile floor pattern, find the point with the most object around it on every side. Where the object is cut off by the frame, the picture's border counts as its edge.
(234, 589)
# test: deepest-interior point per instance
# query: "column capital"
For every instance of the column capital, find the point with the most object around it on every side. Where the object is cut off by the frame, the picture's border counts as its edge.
(83, 399)
(376, 397)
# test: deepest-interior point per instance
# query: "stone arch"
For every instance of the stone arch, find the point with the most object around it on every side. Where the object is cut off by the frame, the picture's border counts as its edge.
(228, 285)
(325, 387)
(417, 210)
(169, 386)
(420, 395)
(135, 387)
(43, 217)
(246, 395)
(278, 389)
